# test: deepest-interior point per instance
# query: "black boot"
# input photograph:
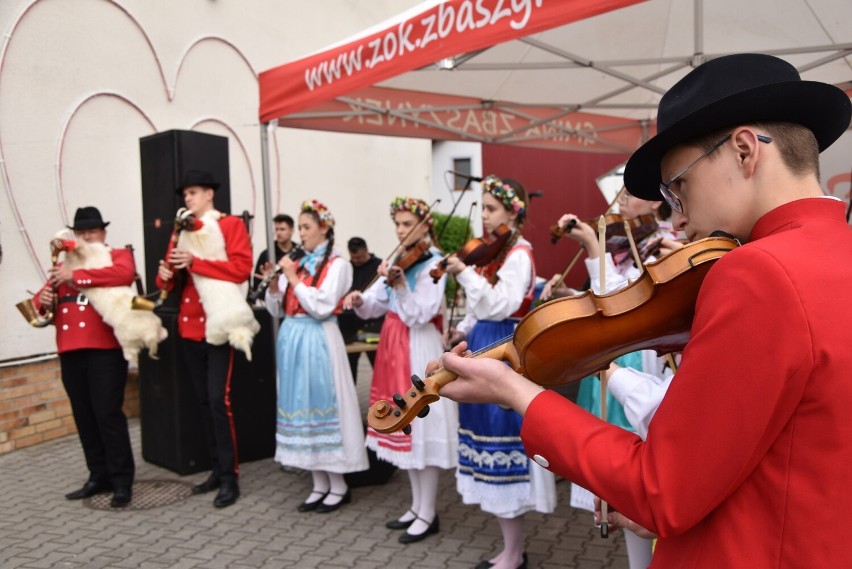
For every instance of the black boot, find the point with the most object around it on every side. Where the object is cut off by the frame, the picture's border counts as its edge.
(89, 489)
(122, 497)
(208, 485)
(228, 494)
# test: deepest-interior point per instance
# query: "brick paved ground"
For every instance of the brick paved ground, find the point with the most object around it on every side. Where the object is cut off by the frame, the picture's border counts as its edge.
(40, 529)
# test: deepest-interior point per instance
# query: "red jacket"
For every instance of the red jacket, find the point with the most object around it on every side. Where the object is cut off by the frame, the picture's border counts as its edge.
(748, 460)
(236, 269)
(78, 325)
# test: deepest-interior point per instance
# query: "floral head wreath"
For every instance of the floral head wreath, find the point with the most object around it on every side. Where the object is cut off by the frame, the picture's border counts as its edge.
(415, 206)
(504, 193)
(317, 207)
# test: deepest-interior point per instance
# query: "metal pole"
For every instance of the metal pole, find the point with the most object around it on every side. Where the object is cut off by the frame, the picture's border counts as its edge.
(267, 204)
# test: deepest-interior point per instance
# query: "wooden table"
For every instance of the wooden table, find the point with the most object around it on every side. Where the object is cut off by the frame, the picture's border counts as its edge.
(358, 347)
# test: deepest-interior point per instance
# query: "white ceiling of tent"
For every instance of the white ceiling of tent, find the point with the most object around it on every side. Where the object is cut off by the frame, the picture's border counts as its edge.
(619, 63)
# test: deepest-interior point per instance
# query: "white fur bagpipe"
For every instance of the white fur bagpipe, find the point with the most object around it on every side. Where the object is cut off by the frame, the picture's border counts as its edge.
(134, 329)
(229, 318)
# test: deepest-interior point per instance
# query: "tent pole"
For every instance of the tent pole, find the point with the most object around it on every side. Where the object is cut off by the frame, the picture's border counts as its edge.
(698, 47)
(267, 206)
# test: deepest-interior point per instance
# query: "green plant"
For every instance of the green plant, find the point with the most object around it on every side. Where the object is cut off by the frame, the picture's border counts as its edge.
(456, 233)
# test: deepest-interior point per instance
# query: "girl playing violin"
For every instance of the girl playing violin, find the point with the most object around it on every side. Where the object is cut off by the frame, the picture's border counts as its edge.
(620, 269)
(319, 422)
(651, 246)
(411, 335)
(497, 294)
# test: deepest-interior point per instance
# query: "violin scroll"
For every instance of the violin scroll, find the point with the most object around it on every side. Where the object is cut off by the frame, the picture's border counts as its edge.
(557, 233)
(387, 418)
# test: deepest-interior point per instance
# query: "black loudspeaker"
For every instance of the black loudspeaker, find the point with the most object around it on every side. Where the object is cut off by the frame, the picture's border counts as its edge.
(172, 432)
(378, 473)
(165, 157)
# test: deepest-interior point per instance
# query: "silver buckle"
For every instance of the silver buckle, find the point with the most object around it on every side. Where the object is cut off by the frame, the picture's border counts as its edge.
(82, 299)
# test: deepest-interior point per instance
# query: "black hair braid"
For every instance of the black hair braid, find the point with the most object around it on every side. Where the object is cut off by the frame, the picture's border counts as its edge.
(501, 258)
(325, 256)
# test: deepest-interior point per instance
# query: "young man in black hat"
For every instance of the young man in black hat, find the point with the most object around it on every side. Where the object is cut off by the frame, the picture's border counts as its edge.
(94, 371)
(210, 366)
(748, 459)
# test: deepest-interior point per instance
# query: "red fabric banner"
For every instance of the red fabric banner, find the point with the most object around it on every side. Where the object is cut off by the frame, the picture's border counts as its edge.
(413, 114)
(445, 30)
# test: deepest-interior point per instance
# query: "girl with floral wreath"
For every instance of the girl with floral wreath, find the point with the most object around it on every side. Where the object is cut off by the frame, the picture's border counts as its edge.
(413, 306)
(494, 470)
(319, 424)
(630, 371)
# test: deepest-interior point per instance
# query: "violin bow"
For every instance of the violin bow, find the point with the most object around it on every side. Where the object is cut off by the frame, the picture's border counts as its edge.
(400, 244)
(602, 374)
(638, 260)
(456, 203)
(455, 294)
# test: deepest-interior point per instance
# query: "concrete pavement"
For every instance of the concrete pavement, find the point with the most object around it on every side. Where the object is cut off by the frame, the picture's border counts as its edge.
(40, 529)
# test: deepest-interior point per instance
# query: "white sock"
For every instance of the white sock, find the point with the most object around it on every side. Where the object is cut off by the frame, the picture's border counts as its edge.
(427, 480)
(321, 485)
(414, 482)
(338, 489)
(513, 542)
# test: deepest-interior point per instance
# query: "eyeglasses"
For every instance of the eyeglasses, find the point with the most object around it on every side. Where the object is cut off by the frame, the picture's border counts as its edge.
(665, 187)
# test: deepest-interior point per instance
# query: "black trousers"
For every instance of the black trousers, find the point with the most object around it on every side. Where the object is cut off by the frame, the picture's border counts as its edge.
(210, 368)
(94, 381)
(353, 362)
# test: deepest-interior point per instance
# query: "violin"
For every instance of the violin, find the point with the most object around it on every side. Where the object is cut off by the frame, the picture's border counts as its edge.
(654, 312)
(477, 252)
(412, 255)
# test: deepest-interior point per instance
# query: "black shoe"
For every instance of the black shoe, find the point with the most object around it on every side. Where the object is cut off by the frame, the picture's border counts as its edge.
(311, 506)
(399, 524)
(89, 489)
(487, 564)
(323, 508)
(121, 497)
(434, 526)
(208, 485)
(228, 494)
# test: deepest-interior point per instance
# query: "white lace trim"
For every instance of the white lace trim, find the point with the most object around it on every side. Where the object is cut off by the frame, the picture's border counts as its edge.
(490, 460)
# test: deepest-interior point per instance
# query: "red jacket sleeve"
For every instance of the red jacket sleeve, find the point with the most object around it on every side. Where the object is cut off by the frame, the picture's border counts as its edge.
(742, 376)
(237, 268)
(121, 273)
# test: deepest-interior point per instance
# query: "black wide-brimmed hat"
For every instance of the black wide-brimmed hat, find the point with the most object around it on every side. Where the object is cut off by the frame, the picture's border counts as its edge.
(197, 178)
(87, 218)
(734, 90)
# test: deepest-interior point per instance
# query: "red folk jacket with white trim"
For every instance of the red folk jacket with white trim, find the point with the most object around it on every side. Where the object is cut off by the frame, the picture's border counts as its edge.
(748, 460)
(236, 269)
(78, 324)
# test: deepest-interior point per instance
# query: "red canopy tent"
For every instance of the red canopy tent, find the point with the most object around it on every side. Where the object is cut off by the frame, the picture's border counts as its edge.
(568, 74)
(335, 89)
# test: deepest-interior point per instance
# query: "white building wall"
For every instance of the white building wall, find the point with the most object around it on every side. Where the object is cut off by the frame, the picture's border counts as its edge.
(82, 80)
(443, 155)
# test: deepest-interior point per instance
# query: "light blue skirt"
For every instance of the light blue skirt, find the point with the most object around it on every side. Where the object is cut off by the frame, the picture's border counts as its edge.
(308, 426)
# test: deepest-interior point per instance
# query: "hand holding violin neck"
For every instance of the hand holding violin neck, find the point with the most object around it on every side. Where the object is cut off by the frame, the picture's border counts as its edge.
(388, 417)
